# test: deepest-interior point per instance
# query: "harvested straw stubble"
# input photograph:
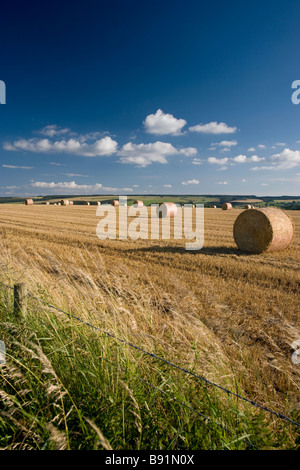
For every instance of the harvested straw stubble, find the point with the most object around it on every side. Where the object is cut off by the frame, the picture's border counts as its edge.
(166, 209)
(263, 230)
(226, 206)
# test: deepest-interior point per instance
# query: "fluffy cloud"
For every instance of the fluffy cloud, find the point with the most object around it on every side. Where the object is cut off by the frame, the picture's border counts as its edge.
(53, 130)
(213, 128)
(240, 159)
(144, 154)
(226, 143)
(255, 158)
(197, 161)
(162, 124)
(286, 159)
(105, 146)
(186, 183)
(217, 161)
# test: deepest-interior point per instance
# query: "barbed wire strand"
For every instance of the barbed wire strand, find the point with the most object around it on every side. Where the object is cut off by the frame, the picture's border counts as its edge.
(203, 379)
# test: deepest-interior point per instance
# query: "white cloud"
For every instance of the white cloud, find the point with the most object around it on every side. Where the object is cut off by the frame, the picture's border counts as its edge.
(188, 151)
(217, 161)
(64, 185)
(255, 158)
(226, 143)
(261, 146)
(222, 182)
(18, 167)
(162, 124)
(105, 146)
(52, 130)
(287, 159)
(186, 183)
(281, 144)
(167, 186)
(243, 180)
(143, 155)
(197, 161)
(240, 159)
(74, 175)
(213, 128)
(71, 185)
(251, 149)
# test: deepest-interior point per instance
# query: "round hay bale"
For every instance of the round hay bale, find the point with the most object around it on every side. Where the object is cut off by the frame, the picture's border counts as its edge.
(215, 207)
(226, 206)
(248, 206)
(115, 203)
(64, 202)
(138, 204)
(166, 209)
(28, 202)
(59, 203)
(47, 203)
(263, 230)
(71, 203)
(86, 203)
(252, 207)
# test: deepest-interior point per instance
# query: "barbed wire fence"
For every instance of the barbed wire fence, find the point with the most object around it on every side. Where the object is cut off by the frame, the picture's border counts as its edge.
(20, 296)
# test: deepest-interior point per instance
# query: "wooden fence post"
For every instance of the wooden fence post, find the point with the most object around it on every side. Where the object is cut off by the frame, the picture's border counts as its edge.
(20, 299)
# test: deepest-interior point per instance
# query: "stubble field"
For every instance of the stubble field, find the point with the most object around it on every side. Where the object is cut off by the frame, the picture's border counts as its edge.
(230, 316)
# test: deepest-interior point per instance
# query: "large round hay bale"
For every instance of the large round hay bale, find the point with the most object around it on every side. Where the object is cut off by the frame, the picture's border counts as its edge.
(28, 202)
(263, 230)
(138, 204)
(71, 203)
(226, 206)
(86, 203)
(64, 202)
(248, 206)
(166, 209)
(115, 203)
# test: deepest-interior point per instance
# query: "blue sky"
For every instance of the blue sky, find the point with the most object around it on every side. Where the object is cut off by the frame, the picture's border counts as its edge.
(158, 97)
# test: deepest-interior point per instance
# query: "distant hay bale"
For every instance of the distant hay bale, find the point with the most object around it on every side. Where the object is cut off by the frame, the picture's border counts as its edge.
(166, 209)
(252, 207)
(28, 202)
(115, 203)
(138, 204)
(64, 202)
(215, 207)
(47, 203)
(263, 230)
(248, 206)
(58, 204)
(98, 203)
(71, 203)
(226, 206)
(86, 203)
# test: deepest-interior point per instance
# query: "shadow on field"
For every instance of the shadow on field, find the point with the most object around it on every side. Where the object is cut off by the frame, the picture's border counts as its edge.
(210, 251)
